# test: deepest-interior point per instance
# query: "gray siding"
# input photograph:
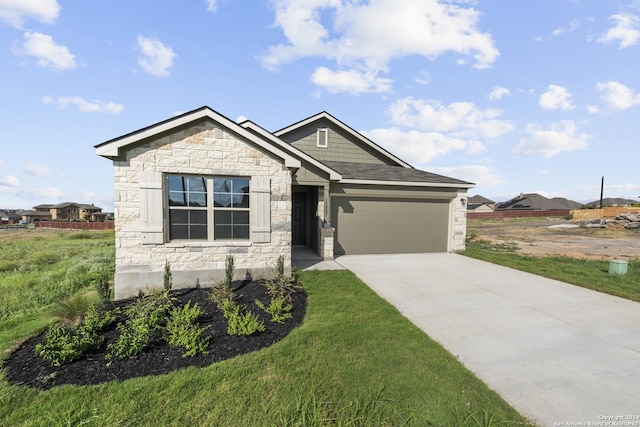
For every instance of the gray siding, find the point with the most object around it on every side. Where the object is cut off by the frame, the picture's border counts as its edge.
(342, 147)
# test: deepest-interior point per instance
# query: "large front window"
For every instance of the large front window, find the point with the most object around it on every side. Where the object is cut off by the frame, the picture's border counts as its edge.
(208, 208)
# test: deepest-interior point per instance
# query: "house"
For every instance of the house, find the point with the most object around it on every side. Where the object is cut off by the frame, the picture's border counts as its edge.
(537, 202)
(67, 211)
(478, 203)
(613, 202)
(198, 187)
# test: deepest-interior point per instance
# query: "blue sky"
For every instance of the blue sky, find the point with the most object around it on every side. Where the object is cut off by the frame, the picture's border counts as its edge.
(516, 96)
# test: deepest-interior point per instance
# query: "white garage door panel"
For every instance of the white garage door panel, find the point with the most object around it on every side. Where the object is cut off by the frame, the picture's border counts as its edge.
(379, 225)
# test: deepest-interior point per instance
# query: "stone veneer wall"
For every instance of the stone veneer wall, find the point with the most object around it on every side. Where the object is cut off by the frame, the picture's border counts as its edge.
(201, 149)
(459, 206)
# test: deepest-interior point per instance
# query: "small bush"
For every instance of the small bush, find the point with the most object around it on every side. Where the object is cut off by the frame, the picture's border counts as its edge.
(220, 292)
(280, 286)
(65, 344)
(145, 317)
(167, 279)
(278, 308)
(240, 321)
(182, 330)
(71, 311)
(229, 267)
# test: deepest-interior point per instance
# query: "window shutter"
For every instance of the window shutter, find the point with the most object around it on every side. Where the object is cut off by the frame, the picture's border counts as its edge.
(260, 209)
(151, 211)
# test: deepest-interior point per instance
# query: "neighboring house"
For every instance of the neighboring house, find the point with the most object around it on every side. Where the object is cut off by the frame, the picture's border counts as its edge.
(68, 211)
(198, 187)
(478, 203)
(613, 202)
(537, 202)
(9, 216)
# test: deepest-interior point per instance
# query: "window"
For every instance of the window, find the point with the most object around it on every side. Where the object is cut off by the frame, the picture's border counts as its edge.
(322, 137)
(208, 208)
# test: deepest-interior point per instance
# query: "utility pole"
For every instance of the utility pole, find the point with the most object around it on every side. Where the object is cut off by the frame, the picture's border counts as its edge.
(601, 191)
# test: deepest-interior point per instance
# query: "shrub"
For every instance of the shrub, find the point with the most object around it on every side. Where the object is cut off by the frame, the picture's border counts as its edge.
(71, 311)
(229, 266)
(145, 317)
(280, 286)
(182, 330)
(278, 308)
(240, 321)
(221, 292)
(167, 279)
(65, 344)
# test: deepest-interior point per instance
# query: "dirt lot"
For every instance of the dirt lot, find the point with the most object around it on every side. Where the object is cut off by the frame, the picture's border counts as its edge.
(555, 237)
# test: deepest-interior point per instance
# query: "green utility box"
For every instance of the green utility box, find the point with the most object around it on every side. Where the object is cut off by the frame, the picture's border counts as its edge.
(617, 267)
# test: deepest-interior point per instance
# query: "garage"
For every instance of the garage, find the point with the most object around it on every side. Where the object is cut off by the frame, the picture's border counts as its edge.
(370, 225)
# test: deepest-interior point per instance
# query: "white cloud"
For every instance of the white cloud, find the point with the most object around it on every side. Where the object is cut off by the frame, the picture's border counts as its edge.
(418, 147)
(9, 181)
(351, 81)
(15, 12)
(423, 78)
(84, 106)
(481, 175)
(556, 98)
(49, 54)
(212, 5)
(156, 58)
(369, 35)
(593, 109)
(561, 137)
(626, 30)
(498, 92)
(617, 95)
(37, 169)
(462, 119)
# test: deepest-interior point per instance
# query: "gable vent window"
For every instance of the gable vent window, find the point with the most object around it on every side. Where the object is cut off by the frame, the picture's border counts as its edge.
(322, 138)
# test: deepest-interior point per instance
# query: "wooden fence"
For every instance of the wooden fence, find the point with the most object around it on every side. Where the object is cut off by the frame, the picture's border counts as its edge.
(76, 225)
(608, 213)
(518, 214)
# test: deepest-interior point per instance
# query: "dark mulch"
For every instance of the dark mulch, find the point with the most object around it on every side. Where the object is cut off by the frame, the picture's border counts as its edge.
(25, 367)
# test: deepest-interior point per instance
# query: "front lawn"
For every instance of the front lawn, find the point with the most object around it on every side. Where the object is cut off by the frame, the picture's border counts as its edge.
(591, 274)
(355, 361)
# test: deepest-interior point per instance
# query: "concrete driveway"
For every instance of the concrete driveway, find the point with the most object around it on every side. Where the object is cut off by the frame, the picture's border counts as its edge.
(558, 353)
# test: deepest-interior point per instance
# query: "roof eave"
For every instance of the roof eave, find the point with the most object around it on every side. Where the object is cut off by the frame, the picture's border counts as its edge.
(465, 185)
(112, 149)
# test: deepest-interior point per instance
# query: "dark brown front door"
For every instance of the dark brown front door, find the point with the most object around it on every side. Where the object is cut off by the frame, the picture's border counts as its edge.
(298, 219)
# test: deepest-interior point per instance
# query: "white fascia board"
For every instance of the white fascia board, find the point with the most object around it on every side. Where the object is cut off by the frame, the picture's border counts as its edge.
(406, 183)
(112, 149)
(344, 126)
(333, 175)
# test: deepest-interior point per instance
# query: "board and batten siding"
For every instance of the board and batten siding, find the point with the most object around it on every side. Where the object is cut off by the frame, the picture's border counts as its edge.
(340, 147)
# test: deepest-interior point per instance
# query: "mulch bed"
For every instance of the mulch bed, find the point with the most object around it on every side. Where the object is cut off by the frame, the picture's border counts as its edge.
(25, 367)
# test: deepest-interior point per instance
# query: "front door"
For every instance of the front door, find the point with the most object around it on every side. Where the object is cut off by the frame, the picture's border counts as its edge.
(298, 219)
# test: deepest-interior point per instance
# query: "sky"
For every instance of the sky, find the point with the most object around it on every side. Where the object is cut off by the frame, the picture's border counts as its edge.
(514, 96)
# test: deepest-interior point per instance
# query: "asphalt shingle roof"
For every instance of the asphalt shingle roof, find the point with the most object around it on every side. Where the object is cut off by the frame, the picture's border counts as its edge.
(382, 172)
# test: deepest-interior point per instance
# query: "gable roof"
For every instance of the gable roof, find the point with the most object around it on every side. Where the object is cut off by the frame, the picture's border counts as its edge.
(366, 173)
(535, 201)
(366, 141)
(478, 199)
(613, 201)
(248, 124)
(112, 149)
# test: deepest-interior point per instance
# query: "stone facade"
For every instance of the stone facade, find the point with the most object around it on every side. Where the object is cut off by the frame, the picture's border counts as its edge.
(459, 221)
(200, 149)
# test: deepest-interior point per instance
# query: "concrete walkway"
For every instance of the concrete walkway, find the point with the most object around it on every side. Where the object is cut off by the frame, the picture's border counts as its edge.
(558, 353)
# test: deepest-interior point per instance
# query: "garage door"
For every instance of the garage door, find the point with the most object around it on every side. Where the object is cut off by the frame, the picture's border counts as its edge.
(383, 225)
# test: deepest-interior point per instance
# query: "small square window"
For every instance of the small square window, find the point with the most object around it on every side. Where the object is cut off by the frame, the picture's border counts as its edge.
(322, 137)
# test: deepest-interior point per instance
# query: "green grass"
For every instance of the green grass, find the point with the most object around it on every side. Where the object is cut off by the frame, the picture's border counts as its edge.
(40, 267)
(354, 362)
(592, 274)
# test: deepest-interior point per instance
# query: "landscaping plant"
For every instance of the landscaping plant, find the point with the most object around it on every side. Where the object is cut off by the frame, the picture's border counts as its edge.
(183, 331)
(241, 321)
